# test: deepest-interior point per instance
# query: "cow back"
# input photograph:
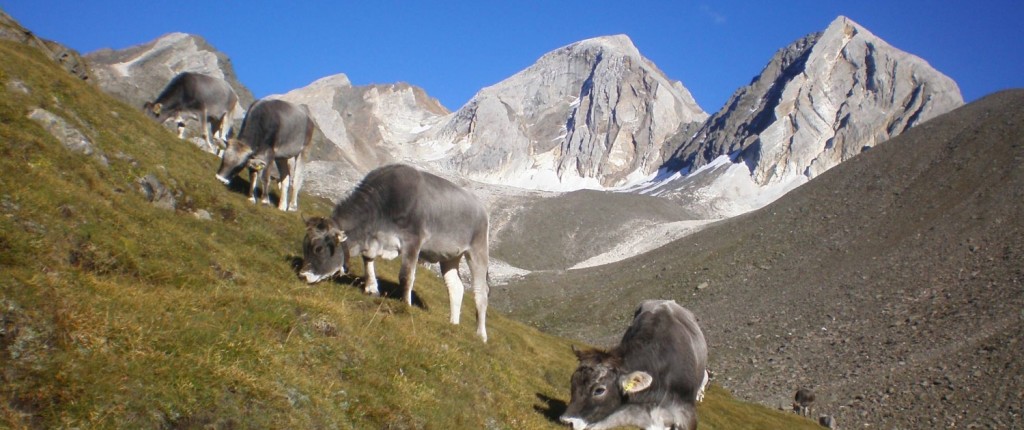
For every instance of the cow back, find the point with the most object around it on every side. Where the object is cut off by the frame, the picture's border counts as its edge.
(277, 126)
(665, 341)
(196, 92)
(400, 198)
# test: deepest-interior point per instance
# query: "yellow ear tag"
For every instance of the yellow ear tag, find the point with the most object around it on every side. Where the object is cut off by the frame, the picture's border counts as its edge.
(628, 386)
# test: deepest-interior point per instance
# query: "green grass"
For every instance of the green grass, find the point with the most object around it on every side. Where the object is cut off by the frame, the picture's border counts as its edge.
(118, 314)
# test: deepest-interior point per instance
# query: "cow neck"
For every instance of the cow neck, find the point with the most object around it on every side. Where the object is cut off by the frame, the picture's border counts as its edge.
(359, 212)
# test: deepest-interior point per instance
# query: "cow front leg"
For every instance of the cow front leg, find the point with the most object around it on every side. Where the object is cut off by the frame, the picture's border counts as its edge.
(206, 126)
(407, 273)
(180, 122)
(286, 185)
(450, 272)
(703, 385)
(296, 179)
(371, 277)
(254, 180)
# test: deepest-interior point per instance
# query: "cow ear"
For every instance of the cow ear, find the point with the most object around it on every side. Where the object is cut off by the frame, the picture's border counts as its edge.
(635, 382)
(157, 107)
(257, 165)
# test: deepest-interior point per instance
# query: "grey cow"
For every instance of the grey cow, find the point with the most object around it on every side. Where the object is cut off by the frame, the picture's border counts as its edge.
(209, 98)
(652, 379)
(275, 136)
(398, 210)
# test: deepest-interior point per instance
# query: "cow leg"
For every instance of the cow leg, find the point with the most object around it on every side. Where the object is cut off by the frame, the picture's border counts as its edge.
(407, 273)
(287, 182)
(180, 122)
(371, 277)
(254, 178)
(286, 186)
(703, 384)
(296, 178)
(478, 271)
(265, 181)
(450, 271)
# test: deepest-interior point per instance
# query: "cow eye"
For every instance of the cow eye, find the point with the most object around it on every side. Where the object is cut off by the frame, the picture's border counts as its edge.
(319, 249)
(599, 391)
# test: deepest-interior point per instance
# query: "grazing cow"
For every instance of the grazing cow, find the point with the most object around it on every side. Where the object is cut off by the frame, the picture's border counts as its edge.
(399, 210)
(802, 401)
(275, 136)
(652, 380)
(209, 98)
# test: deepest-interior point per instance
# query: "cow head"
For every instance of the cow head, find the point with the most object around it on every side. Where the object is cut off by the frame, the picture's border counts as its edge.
(236, 157)
(153, 110)
(324, 251)
(600, 387)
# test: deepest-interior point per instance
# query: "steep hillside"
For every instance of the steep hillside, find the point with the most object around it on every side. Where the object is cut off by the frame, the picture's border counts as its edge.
(138, 292)
(893, 284)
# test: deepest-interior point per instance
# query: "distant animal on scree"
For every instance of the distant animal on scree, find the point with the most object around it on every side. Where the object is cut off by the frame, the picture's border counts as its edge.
(653, 379)
(398, 210)
(275, 137)
(803, 401)
(210, 99)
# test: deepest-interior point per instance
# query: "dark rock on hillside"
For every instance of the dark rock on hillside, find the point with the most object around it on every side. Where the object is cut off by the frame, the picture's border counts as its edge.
(892, 285)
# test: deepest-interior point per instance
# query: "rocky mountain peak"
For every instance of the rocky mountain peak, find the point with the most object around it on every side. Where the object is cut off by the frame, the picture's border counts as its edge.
(138, 73)
(820, 101)
(590, 114)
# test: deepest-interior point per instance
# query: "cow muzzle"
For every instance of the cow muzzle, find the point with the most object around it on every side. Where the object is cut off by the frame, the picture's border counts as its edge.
(576, 423)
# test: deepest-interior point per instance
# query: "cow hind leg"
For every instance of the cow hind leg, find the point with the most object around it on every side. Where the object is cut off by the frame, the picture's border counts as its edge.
(478, 271)
(450, 272)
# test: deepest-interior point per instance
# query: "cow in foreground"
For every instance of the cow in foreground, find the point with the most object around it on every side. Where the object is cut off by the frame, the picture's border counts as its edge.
(398, 210)
(210, 99)
(275, 136)
(652, 379)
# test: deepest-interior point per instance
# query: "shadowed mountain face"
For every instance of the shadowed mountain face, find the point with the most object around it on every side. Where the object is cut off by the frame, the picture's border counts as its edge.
(893, 284)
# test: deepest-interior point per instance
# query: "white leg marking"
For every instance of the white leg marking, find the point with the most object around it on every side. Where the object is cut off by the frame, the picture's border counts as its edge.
(450, 270)
(371, 278)
(478, 271)
(703, 384)
(286, 182)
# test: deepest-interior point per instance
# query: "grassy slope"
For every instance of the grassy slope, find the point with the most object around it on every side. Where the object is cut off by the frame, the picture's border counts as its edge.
(117, 314)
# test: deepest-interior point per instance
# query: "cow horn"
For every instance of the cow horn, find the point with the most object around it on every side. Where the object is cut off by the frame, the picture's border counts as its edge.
(157, 107)
(340, 236)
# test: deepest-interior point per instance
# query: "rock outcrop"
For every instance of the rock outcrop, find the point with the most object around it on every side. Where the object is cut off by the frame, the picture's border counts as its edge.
(68, 58)
(137, 74)
(363, 127)
(591, 114)
(820, 101)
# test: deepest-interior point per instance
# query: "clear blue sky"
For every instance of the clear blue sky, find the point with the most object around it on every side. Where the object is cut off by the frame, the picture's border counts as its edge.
(454, 48)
